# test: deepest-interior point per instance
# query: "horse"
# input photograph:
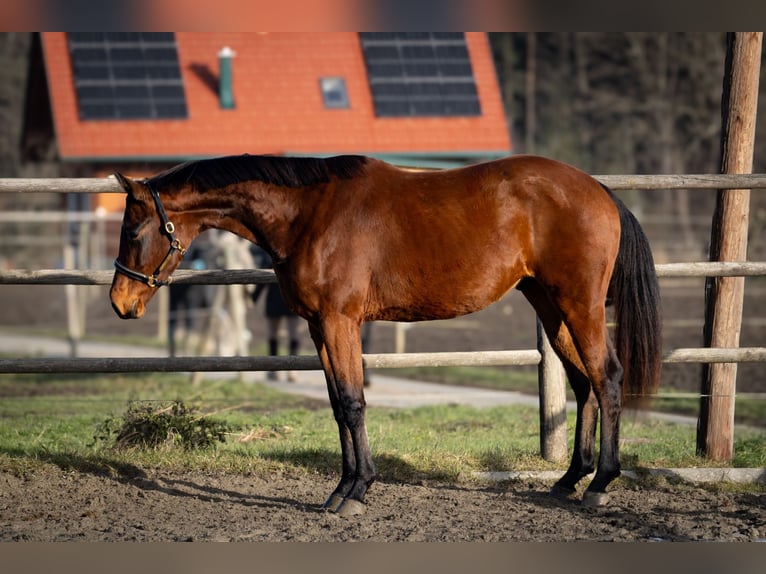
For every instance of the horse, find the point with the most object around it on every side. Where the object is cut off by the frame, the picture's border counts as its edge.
(355, 239)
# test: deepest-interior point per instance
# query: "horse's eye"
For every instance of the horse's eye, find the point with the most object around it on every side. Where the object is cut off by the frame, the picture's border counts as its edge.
(132, 234)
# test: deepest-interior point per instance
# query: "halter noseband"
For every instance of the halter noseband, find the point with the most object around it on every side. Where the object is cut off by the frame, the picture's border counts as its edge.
(154, 280)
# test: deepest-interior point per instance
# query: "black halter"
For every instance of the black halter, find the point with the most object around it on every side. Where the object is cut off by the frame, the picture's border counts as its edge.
(154, 280)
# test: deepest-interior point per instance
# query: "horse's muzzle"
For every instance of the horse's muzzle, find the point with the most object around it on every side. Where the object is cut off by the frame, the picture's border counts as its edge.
(133, 312)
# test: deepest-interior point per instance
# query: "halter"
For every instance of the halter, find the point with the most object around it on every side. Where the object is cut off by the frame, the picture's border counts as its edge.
(154, 280)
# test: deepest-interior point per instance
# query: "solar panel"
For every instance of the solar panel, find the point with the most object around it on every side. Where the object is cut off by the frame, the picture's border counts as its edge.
(127, 75)
(420, 74)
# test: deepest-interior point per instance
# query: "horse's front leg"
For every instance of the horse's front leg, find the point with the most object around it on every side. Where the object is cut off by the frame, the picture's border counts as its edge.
(348, 472)
(338, 343)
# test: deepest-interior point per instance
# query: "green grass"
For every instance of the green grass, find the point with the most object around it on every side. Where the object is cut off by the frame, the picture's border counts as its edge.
(56, 419)
(748, 411)
(522, 379)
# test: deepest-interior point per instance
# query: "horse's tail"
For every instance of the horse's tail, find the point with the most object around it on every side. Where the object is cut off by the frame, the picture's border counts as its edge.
(635, 293)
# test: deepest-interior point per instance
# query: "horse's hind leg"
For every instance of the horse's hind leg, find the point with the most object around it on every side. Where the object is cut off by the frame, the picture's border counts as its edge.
(338, 343)
(583, 455)
(577, 330)
(587, 324)
(609, 396)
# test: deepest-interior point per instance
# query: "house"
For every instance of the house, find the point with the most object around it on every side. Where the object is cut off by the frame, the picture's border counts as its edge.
(140, 102)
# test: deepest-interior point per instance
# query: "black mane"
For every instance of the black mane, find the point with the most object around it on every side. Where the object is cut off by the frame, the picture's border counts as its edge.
(219, 172)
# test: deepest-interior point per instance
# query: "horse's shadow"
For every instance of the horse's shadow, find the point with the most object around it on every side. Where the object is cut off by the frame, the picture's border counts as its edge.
(391, 469)
(104, 466)
(318, 461)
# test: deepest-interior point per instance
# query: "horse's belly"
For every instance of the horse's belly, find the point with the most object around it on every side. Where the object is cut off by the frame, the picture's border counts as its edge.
(437, 304)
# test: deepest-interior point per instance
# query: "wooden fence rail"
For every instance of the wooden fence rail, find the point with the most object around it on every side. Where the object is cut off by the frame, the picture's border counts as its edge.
(670, 181)
(311, 363)
(255, 276)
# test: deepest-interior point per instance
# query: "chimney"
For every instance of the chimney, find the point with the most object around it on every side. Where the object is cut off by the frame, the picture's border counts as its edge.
(225, 92)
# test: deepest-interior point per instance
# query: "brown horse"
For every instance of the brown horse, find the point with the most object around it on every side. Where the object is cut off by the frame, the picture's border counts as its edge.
(354, 239)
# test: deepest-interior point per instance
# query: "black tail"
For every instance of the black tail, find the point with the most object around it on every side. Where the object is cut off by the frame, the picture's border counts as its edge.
(635, 292)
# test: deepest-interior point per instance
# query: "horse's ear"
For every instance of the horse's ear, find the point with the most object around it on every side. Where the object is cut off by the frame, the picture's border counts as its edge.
(131, 186)
(123, 181)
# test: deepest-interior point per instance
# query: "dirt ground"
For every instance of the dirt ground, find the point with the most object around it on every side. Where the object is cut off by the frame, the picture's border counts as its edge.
(52, 505)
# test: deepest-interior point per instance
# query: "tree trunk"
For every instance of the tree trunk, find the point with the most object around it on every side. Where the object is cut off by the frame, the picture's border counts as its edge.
(531, 86)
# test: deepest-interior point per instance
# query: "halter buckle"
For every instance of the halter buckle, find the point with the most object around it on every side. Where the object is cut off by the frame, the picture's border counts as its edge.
(176, 244)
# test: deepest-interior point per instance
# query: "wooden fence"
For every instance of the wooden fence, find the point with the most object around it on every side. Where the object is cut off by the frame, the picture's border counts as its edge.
(380, 361)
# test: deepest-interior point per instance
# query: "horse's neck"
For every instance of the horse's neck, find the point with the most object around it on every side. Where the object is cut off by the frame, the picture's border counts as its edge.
(259, 213)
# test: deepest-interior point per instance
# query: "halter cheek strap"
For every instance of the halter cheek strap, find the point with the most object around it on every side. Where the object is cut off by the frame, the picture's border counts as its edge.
(154, 280)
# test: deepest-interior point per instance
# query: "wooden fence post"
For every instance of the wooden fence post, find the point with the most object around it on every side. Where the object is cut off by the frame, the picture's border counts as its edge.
(553, 401)
(724, 296)
(163, 312)
(74, 325)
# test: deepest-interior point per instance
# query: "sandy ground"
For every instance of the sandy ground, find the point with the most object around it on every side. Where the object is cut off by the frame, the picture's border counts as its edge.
(52, 504)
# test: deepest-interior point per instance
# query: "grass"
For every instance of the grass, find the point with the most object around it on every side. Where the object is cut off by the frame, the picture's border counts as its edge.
(748, 411)
(522, 379)
(56, 419)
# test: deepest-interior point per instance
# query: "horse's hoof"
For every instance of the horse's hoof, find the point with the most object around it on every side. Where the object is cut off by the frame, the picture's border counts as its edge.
(351, 507)
(333, 503)
(595, 499)
(563, 493)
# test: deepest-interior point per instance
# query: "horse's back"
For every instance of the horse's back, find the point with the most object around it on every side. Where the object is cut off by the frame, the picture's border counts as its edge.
(520, 205)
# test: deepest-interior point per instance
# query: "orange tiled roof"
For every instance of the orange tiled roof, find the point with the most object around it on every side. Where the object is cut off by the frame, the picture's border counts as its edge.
(279, 107)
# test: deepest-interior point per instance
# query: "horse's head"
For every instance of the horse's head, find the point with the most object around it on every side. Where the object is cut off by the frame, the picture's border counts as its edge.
(150, 249)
